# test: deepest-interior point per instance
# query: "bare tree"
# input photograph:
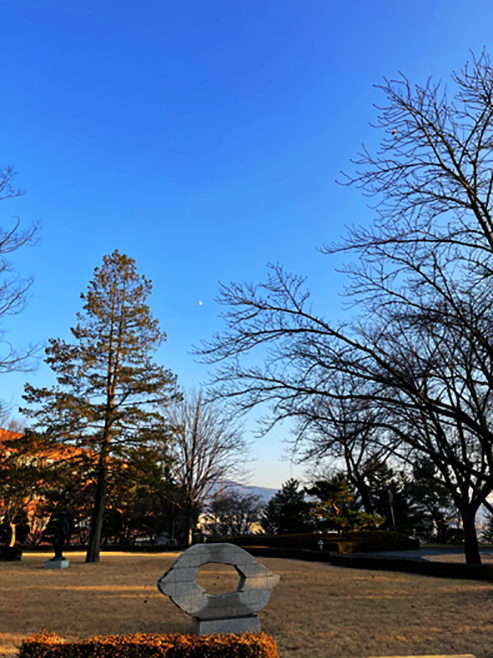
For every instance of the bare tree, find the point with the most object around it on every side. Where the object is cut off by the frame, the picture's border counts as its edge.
(17, 483)
(424, 271)
(426, 384)
(448, 418)
(421, 349)
(205, 449)
(233, 514)
(13, 288)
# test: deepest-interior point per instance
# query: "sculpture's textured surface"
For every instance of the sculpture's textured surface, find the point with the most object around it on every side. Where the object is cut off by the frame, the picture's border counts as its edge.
(219, 611)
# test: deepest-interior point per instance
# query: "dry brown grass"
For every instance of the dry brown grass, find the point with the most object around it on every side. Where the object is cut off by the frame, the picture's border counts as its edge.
(316, 611)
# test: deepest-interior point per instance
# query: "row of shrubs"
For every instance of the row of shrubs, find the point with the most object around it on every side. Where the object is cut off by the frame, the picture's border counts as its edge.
(173, 645)
(125, 548)
(350, 542)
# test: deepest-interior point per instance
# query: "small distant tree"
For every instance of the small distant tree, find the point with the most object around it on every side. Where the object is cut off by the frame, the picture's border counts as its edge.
(70, 489)
(231, 514)
(388, 489)
(287, 512)
(108, 387)
(434, 507)
(333, 509)
(140, 482)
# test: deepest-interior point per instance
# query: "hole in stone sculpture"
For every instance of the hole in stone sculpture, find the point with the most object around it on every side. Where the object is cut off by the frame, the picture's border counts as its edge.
(217, 578)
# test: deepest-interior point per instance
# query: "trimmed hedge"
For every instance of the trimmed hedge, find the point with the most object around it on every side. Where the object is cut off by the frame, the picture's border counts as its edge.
(350, 542)
(107, 548)
(290, 553)
(151, 645)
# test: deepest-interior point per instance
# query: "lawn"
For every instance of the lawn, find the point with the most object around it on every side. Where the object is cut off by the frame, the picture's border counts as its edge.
(316, 611)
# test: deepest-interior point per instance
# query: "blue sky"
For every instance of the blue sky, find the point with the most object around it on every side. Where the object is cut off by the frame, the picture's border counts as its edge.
(203, 139)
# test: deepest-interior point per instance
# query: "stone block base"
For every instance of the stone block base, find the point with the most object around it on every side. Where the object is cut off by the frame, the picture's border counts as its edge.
(250, 624)
(56, 563)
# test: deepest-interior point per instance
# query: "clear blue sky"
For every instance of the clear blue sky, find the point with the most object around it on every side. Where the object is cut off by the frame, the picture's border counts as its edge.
(203, 139)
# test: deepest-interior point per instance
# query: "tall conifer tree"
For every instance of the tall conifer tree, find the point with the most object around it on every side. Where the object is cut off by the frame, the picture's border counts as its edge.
(108, 387)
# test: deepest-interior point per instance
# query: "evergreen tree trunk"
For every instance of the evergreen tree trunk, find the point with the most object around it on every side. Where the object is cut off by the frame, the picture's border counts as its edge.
(94, 543)
(471, 547)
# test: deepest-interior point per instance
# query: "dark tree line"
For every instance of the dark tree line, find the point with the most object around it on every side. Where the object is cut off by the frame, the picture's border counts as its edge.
(421, 507)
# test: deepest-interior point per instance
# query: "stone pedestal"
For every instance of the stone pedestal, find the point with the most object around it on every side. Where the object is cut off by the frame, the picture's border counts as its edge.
(250, 624)
(57, 563)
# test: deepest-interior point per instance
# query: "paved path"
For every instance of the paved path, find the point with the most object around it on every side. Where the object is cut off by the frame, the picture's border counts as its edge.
(423, 553)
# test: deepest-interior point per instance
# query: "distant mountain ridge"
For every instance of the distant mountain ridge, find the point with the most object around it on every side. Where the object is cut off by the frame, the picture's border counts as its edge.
(265, 493)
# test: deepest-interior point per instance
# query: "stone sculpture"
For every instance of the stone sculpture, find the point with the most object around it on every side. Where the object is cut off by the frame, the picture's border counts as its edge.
(233, 612)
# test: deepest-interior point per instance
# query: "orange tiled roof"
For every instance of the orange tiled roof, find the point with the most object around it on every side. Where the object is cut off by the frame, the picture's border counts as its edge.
(7, 435)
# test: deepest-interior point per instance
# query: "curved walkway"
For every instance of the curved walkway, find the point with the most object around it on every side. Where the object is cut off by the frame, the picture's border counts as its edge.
(424, 553)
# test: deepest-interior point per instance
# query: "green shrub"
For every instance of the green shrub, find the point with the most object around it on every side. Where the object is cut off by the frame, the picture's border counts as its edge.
(174, 645)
